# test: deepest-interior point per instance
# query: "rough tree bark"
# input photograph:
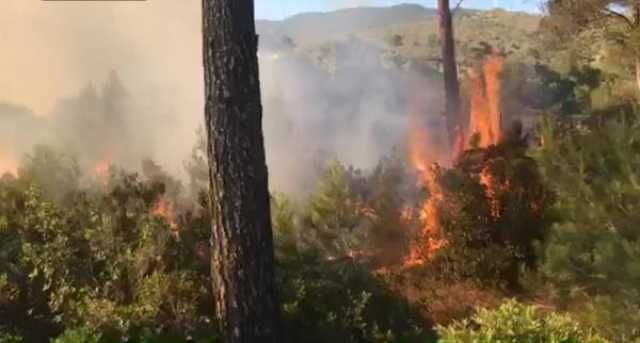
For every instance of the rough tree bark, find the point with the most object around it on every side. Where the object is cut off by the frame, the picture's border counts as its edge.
(242, 258)
(450, 69)
(638, 73)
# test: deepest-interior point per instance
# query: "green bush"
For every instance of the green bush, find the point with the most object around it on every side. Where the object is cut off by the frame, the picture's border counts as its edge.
(7, 338)
(333, 215)
(594, 171)
(594, 249)
(342, 302)
(99, 257)
(615, 318)
(514, 322)
(80, 335)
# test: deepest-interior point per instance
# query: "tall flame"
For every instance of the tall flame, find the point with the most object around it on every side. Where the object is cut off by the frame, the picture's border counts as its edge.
(422, 160)
(429, 240)
(485, 121)
(485, 116)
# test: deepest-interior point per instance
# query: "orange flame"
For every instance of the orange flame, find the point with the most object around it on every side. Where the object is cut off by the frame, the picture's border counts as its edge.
(484, 120)
(102, 171)
(429, 239)
(165, 211)
(486, 117)
(421, 160)
(8, 164)
(490, 185)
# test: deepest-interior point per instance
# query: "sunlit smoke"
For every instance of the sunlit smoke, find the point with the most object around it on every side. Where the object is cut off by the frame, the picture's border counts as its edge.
(8, 164)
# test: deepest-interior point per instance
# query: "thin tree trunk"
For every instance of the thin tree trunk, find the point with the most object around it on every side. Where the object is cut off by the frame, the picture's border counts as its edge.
(450, 69)
(242, 257)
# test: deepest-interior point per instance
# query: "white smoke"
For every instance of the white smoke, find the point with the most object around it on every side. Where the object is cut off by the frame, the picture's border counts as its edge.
(54, 51)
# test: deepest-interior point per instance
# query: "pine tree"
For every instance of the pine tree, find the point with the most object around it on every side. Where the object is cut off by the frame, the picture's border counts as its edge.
(595, 172)
(243, 257)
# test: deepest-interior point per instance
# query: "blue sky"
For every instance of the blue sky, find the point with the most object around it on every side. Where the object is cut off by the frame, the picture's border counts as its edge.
(278, 9)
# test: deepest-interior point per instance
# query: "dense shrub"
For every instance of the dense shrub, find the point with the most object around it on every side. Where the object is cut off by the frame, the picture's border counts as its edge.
(103, 256)
(594, 249)
(491, 214)
(80, 335)
(325, 301)
(99, 256)
(514, 322)
(595, 171)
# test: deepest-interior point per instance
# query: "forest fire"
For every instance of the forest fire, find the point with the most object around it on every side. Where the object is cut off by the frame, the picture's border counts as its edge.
(483, 131)
(428, 171)
(165, 210)
(8, 165)
(485, 115)
(102, 171)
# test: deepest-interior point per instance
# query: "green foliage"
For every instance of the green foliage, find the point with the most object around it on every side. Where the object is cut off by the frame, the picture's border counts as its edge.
(81, 335)
(54, 172)
(514, 322)
(387, 230)
(602, 32)
(342, 302)
(6, 338)
(285, 228)
(595, 171)
(333, 214)
(99, 259)
(614, 318)
(594, 249)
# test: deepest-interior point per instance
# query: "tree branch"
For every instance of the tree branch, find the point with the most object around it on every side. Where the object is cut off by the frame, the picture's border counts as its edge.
(455, 9)
(613, 14)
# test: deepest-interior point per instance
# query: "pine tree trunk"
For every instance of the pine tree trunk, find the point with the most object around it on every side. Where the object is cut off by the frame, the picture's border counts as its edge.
(242, 257)
(450, 69)
(638, 73)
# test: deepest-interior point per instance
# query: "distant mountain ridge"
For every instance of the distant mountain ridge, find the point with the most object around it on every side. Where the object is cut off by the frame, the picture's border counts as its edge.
(315, 27)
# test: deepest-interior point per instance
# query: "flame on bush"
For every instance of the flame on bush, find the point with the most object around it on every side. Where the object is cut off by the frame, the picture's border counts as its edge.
(485, 119)
(165, 210)
(428, 241)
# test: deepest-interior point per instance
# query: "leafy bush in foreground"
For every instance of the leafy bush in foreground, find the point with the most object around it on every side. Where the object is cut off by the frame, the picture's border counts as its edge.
(341, 302)
(514, 322)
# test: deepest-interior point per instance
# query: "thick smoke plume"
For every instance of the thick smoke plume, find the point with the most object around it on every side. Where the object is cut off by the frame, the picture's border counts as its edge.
(121, 82)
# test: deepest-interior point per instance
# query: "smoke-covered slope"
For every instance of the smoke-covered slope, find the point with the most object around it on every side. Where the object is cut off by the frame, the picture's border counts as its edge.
(312, 28)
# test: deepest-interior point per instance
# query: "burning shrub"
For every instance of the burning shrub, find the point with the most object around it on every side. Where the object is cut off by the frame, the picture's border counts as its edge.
(353, 215)
(100, 259)
(490, 213)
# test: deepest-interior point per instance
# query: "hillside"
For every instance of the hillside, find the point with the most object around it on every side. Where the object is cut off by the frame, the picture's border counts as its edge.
(312, 28)
(407, 30)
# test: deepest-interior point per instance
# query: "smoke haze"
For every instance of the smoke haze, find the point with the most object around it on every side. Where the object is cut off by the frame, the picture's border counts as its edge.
(122, 81)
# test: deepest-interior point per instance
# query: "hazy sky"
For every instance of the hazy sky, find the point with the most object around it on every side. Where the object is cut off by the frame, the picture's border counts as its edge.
(278, 9)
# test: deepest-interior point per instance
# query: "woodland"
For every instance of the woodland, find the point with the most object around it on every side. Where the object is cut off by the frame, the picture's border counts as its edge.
(523, 227)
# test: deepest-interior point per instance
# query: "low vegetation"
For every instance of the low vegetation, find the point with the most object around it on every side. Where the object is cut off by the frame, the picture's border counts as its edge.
(537, 240)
